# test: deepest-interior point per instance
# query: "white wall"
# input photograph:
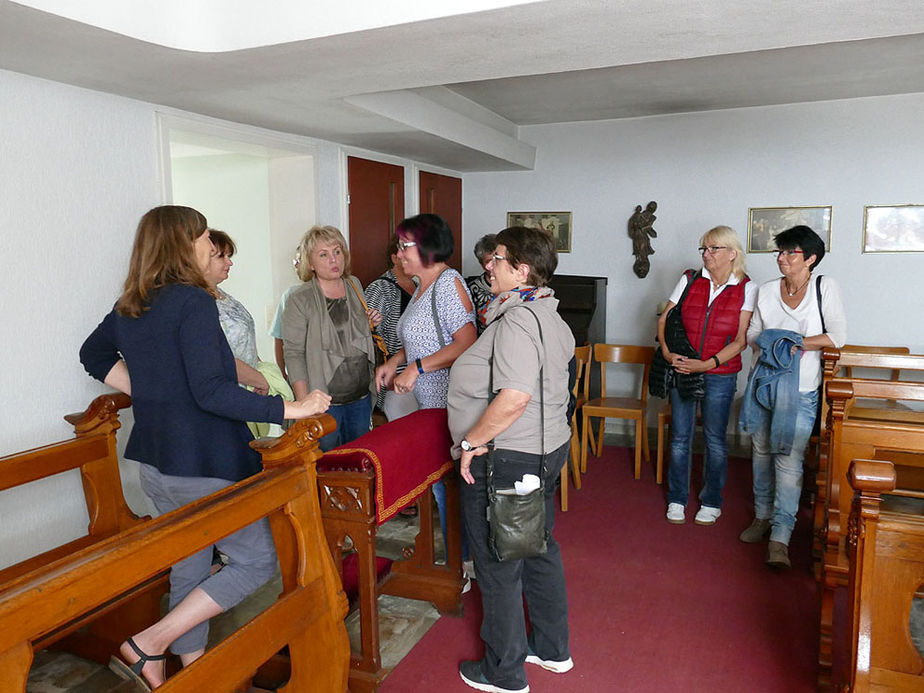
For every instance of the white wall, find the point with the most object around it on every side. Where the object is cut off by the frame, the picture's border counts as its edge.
(706, 169)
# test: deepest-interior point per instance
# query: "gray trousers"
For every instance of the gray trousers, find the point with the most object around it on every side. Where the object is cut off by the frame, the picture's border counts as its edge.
(503, 585)
(250, 551)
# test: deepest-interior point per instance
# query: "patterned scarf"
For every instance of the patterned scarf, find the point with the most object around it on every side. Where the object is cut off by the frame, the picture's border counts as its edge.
(506, 300)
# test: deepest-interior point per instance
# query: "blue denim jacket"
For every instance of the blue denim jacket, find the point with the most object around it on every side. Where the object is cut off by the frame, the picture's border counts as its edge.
(774, 386)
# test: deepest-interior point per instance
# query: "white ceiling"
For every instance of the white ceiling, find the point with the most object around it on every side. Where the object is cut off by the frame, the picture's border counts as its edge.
(452, 91)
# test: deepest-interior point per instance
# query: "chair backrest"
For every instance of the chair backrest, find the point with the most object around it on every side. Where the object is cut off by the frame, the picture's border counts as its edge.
(582, 380)
(624, 353)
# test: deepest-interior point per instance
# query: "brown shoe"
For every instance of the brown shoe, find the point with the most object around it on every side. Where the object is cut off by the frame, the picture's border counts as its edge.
(778, 555)
(755, 533)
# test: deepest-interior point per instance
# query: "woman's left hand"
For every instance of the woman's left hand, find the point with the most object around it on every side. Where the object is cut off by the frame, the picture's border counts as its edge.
(465, 464)
(406, 380)
(684, 365)
(375, 317)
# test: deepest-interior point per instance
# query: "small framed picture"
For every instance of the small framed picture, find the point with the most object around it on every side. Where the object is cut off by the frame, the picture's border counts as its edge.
(893, 229)
(765, 222)
(557, 224)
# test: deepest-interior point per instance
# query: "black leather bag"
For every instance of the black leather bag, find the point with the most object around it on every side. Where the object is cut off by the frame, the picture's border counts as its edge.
(516, 524)
(662, 376)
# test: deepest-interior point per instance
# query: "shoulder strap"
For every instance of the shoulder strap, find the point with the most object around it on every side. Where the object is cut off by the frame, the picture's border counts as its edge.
(821, 314)
(436, 322)
(359, 294)
(691, 276)
(542, 469)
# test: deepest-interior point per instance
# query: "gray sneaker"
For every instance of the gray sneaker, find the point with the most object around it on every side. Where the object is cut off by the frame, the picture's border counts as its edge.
(778, 555)
(756, 531)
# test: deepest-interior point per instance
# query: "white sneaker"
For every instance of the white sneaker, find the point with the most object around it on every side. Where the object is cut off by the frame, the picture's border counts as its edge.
(676, 514)
(707, 516)
(551, 664)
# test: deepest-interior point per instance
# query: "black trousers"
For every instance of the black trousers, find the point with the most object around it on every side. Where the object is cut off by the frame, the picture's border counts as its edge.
(503, 585)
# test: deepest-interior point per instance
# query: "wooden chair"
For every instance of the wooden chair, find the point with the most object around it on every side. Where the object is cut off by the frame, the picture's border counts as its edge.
(580, 391)
(633, 408)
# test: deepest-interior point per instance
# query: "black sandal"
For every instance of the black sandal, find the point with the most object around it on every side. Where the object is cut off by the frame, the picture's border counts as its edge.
(132, 672)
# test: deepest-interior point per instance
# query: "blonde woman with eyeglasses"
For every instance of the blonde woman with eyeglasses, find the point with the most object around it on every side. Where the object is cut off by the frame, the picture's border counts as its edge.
(716, 303)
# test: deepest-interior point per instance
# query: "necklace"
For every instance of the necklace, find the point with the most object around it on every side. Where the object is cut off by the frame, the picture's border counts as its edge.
(793, 293)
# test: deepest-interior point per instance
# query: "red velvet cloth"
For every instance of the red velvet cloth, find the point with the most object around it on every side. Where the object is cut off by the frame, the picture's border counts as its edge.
(350, 575)
(408, 455)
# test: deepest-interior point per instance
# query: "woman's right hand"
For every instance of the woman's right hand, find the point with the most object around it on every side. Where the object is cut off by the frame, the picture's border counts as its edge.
(314, 403)
(385, 375)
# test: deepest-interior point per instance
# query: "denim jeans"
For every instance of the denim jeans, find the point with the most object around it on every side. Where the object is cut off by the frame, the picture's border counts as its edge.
(540, 579)
(777, 477)
(715, 406)
(353, 420)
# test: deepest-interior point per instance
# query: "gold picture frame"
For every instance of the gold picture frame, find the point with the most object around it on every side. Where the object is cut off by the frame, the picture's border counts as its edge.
(765, 222)
(893, 228)
(557, 224)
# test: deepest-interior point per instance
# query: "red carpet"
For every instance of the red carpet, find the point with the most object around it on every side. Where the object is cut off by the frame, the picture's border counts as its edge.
(655, 606)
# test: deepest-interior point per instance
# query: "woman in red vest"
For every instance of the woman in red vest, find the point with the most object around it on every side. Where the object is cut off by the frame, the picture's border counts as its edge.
(716, 305)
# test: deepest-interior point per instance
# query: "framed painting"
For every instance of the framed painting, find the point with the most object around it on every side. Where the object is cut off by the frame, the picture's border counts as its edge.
(556, 224)
(765, 222)
(893, 229)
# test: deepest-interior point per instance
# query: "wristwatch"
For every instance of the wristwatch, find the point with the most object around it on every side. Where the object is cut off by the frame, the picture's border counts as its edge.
(465, 445)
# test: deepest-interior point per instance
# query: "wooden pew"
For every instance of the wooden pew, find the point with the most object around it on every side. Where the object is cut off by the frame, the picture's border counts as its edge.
(95, 635)
(307, 617)
(859, 438)
(353, 505)
(840, 364)
(886, 549)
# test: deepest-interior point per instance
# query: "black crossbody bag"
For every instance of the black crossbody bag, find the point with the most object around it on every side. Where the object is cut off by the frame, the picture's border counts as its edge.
(516, 523)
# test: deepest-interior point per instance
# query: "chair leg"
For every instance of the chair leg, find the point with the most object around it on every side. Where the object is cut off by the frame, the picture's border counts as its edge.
(599, 451)
(586, 423)
(593, 443)
(639, 443)
(563, 488)
(574, 460)
(647, 450)
(659, 467)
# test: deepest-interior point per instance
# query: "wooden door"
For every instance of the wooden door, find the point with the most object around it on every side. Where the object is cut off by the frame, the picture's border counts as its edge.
(443, 195)
(376, 206)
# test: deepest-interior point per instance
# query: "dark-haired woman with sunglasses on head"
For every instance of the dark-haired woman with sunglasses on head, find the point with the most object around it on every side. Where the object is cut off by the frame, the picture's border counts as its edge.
(802, 313)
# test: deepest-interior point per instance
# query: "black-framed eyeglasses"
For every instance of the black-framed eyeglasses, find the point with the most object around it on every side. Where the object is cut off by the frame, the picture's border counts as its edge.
(404, 245)
(787, 253)
(711, 249)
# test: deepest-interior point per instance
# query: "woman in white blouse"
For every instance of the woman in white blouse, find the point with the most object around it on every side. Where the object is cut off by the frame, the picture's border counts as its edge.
(806, 304)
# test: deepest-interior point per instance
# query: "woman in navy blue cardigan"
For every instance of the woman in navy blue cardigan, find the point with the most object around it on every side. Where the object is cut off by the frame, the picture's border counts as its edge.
(163, 345)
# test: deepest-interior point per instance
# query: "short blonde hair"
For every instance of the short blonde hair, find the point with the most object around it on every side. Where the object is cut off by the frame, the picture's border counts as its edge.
(315, 235)
(725, 235)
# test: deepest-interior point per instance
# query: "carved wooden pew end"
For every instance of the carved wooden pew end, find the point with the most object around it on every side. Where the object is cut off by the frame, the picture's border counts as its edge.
(364, 484)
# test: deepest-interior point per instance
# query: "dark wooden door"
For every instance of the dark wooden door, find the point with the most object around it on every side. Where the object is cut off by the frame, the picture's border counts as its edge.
(376, 206)
(443, 195)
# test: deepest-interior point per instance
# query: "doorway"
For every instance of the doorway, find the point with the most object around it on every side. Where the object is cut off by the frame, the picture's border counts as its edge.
(260, 191)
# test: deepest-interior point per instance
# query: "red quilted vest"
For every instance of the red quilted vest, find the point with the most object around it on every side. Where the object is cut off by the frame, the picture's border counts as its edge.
(709, 328)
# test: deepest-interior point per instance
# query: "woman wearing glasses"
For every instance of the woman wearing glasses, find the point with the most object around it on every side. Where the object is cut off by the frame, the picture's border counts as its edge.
(716, 303)
(795, 317)
(437, 326)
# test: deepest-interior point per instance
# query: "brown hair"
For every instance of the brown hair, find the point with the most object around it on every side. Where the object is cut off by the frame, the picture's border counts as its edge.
(222, 242)
(535, 248)
(163, 254)
(320, 234)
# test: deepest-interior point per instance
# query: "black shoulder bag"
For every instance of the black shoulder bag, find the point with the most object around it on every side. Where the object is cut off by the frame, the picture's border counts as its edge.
(516, 523)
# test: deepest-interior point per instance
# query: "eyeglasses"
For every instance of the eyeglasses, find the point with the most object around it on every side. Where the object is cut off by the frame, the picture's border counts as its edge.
(404, 245)
(712, 249)
(787, 253)
(498, 258)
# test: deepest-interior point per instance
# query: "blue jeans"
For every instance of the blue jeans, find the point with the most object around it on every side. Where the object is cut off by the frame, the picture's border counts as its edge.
(720, 391)
(778, 478)
(353, 420)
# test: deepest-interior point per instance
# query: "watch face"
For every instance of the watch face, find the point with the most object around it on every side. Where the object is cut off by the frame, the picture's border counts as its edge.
(466, 445)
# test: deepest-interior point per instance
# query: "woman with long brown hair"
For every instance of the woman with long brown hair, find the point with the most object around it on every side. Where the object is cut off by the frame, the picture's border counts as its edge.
(163, 345)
